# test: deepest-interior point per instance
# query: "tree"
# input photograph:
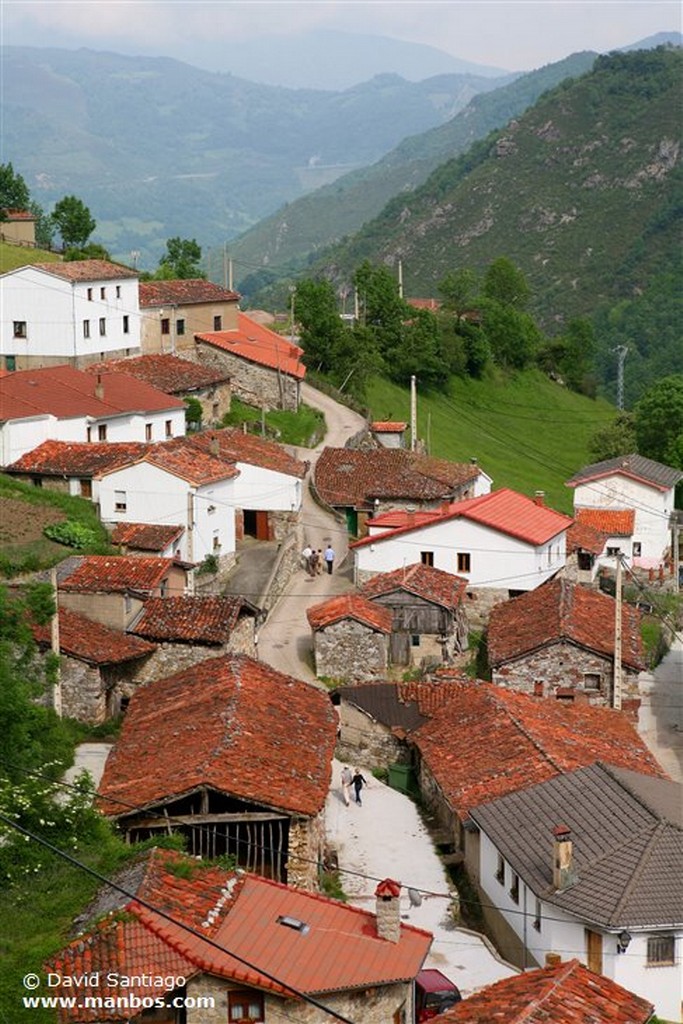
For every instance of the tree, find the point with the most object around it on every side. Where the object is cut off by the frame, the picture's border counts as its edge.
(91, 251)
(14, 193)
(382, 308)
(459, 289)
(617, 438)
(182, 259)
(506, 284)
(74, 222)
(512, 334)
(659, 421)
(320, 326)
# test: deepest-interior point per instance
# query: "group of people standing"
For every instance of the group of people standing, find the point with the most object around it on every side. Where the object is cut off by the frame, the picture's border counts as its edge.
(315, 560)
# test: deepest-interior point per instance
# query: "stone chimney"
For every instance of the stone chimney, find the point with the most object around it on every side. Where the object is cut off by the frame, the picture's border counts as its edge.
(388, 910)
(553, 959)
(563, 866)
(539, 498)
(99, 388)
(214, 446)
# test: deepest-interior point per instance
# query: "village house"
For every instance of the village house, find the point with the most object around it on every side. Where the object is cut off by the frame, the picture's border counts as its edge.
(486, 741)
(111, 589)
(180, 377)
(190, 629)
(61, 403)
(428, 615)
(590, 861)
(559, 641)
(502, 543)
(234, 755)
(97, 666)
(641, 486)
(563, 992)
(72, 468)
(350, 638)
(147, 539)
(585, 545)
(18, 227)
(274, 953)
(76, 312)
(389, 433)
(361, 482)
(174, 311)
(265, 368)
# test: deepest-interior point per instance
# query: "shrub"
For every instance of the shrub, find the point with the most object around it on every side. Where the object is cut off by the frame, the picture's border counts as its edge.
(71, 533)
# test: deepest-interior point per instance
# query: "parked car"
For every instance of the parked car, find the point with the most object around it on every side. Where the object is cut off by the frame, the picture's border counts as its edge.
(434, 994)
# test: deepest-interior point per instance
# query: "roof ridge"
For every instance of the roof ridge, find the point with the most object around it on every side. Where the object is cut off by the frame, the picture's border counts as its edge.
(643, 860)
(525, 731)
(552, 984)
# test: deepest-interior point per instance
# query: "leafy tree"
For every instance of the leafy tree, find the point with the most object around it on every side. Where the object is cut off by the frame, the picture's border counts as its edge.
(14, 193)
(44, 227)
(320, 326)
(571, 356)
(182, 259)
(417, 352)
(74, 222)
(513, 336)
(617, 438)
(659, 421)
(193, 413)
(506, 284)
(459, 289)
(382, 308)
(92, 251)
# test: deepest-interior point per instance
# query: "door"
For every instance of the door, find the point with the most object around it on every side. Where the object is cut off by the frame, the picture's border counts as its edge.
(399, 649)
(594, 951)
(262, 526)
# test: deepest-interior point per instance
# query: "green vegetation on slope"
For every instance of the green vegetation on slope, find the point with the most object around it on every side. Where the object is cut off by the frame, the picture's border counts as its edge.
(13, 256)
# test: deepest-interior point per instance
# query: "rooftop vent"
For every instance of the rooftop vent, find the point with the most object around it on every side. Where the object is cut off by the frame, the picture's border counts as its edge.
(295, 924)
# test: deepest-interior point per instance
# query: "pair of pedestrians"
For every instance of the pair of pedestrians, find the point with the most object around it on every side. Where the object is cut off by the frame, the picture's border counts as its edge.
(352, 778)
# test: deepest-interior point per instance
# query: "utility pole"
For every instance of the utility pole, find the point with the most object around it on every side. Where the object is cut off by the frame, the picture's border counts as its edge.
(622, 352)
(618, 677)
(400, 279)
(413, 413)
(54, 646)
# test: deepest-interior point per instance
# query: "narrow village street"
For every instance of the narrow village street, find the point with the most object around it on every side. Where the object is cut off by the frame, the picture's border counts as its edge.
(660, 721)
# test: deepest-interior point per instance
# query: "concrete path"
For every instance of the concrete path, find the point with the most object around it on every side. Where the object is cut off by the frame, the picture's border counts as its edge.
(660, 720)
(92, 757)
(385, 838)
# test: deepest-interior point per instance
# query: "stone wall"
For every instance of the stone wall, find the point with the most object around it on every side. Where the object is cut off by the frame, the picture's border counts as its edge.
(215, 403)
(59, 484)
(364, 741)
(170, 658)
(306, 848)
(257, 385)
(350, 651)
(288, 562)
(478, 603)
(25, 362)
(84, 695)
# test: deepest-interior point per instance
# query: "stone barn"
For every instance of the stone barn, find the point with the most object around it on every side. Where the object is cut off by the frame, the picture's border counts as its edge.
(350, 638)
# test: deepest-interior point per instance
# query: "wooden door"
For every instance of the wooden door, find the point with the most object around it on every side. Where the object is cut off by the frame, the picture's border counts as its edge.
(262, 526)
(594, 951)
(399, 649)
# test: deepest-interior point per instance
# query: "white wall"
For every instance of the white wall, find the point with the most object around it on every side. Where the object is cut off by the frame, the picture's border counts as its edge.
(54, 310)
(20, 436)
(652, 508)
(496, 559)
(132, 426)
(266, 490)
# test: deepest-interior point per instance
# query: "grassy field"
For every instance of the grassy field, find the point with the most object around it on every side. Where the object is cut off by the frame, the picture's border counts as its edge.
(526, 431)
(306, 427)
(13, 256)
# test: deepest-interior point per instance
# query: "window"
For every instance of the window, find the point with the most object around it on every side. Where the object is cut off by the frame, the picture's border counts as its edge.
(613, 552)
(245, 1006)
(163, 588)
(592, 681)
(120, 502)
(148, 431)
(500, 870)
(464, 561)
(19, 328)
(103, 326)
(86, 328)
(415, 640)
(89, 294)
(180, 327)
(538, 688)
(537, 916)
(168, 427)
(427, 557)
(126, 324)
(103, 293)
(218, 323)
(637, 549)
(165, 325)
(585, 560)
(118, 291)
(37, 481)
(101, 432)
(216, 541)
(661, 950)
(88, 434)
(514, 888)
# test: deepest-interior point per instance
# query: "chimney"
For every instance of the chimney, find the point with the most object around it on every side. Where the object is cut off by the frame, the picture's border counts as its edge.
(388, 910)
(553, 959)
(214, 446)
(563, 867)
(539, 498)
(99, 388)
(474, 460)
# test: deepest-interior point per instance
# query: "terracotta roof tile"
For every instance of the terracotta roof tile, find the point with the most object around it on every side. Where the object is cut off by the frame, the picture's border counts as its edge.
(182, 458)
(204, 620)
(222, 724)
(350, 606)
(567, 994)
(117, 574)
(582, 537)
(561, 610)
(145, 536)
(184, 291)
(422, 580)
(90, 641)
(60, 458)
(236, 446)
(19, 215)
(487, 741)
(168, 373)
(614, 522)
(87, 270)
(388, 426)
(258, 344)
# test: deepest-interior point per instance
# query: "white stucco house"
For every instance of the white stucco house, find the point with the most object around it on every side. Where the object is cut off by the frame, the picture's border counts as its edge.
(589, 865)
(61, 403)
(638, 485)
(501, 540)
(80, 311)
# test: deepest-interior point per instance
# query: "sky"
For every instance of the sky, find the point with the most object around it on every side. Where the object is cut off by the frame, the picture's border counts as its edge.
(510, 34)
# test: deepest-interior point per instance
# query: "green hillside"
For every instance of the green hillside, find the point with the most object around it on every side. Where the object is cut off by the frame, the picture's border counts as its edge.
(13, 256)
(527, 432)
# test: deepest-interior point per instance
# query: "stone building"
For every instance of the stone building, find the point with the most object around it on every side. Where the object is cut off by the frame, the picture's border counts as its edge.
(234, 755)
(350, 638)
(174, 311)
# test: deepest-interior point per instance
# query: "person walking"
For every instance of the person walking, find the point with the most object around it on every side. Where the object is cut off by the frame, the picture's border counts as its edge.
(319, 564)
(329, 558)
(306, 558)
(313, 562)
(358, 783)
(346, 780)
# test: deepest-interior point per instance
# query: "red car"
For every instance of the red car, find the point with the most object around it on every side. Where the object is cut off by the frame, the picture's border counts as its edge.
(434, 994)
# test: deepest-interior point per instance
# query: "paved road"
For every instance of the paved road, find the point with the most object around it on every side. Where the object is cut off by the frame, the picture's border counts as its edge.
(660, 721)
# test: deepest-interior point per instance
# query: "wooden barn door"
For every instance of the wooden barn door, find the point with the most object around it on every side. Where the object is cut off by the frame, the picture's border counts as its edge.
(594, 951)
(399, 649)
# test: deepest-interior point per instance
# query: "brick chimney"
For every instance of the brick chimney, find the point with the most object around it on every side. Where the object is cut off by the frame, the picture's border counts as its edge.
(553, 959)
(563, 860)
(388, 910)
(99, 388)
(539, 498)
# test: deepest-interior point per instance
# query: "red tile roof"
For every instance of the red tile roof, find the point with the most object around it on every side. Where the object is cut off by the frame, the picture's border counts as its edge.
(233, 724)
(505, 511)
(145, 536)
(168, 373)
(87, 270)
(203, 620)
(64, 392)
(90, 641)
(566, 994)
(488, 741)
(61, 458)
(350, 606)
(560, 610)
(345, 476)
(117, 574)
(19, 215)
(581, 537)
(258, 344)
(183, 292)
(388, 427)
(339, 951)
(614, 522)
(185, 460)
(422, 580)
(236, 446)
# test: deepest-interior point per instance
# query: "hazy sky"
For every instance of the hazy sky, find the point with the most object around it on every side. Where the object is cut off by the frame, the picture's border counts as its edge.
(513, 34)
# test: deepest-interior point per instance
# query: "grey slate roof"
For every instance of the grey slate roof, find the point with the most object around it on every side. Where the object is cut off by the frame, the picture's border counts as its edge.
(655, 473)
(381, 702)
(627, 844)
